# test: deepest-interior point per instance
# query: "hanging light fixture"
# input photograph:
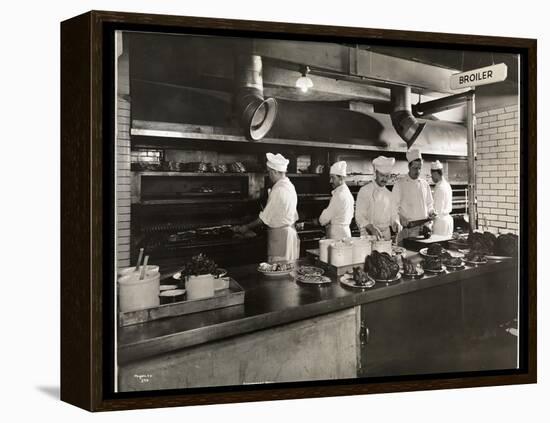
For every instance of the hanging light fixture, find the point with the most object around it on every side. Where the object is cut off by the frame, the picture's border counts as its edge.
(304, 82)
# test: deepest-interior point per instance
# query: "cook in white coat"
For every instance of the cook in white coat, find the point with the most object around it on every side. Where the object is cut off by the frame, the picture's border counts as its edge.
(280, 213)
(375, 211)
(443, 202)
(337, 216)
(412, 196)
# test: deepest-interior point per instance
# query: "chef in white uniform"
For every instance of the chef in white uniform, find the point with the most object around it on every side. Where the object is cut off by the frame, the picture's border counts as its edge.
(280, 214)
(337, 216)
(443, 202)
(412, 197)
(375, 212)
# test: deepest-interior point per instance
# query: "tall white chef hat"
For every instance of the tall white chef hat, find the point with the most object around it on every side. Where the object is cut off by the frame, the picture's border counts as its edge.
(437, 165)
(276, 162)
(413, 154)
(383, 164)
(339, 168)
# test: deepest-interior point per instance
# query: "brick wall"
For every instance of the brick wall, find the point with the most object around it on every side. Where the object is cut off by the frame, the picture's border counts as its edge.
(123, 162)
(497, 169)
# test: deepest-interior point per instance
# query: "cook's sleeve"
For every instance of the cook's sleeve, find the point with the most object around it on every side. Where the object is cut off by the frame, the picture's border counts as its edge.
(327, 214)
(269, 213)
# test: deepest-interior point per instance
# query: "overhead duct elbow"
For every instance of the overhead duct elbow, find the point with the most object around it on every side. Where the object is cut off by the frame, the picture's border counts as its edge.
(402, 118)
(256, 114)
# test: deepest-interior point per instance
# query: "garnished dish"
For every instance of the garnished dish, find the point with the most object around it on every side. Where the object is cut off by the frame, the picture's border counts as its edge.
(310, 271)
(313, 279)
(434, 250)
(357, 279)
(452, 262)
(275, 269)
(475, 257)
(199, 265)
(433, 265)
(382, 267)
(412, 270)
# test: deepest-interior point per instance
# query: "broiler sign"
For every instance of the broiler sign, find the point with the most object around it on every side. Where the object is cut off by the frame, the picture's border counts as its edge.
(481, 76)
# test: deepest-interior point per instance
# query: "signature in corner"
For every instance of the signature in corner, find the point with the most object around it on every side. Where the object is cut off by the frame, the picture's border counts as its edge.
(143, 378)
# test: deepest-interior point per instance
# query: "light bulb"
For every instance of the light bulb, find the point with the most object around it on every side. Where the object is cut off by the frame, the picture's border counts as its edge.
(304, 83)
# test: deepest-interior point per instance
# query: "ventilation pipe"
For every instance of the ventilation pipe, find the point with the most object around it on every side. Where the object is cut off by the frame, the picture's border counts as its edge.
(255, 113)
(406, 125)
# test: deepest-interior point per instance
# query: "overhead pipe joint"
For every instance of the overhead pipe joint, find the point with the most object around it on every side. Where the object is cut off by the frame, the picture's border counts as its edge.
(255, 113)
(402, 118)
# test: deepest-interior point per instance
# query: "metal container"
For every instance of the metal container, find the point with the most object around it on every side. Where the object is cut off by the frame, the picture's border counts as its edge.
(361, 248)
(382, 246)
(324, 245)
(341, 254)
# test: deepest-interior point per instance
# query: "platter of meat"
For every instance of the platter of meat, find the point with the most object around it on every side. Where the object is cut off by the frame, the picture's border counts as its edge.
(358, 279)
(475, 258)
(412, 270)
(434, 250)
(382, 267)
(494, 247)
(434, 265)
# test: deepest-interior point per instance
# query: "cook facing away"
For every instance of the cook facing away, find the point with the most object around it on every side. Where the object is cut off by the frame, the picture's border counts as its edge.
(443, 202)
(337, 216)
(280, 213)
(412, 197)
(375, 212)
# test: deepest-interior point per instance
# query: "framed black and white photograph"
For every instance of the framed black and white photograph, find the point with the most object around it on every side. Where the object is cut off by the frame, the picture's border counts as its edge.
(281, 211)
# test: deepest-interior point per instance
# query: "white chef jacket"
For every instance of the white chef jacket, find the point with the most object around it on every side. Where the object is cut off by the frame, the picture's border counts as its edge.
(443, 205)
(340, 208)
(280, 210)
(412, 198)
(375, 205)
(443, 198)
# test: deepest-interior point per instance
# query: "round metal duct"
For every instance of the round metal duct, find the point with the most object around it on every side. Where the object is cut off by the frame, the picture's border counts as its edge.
(404, 122)
(256, 114)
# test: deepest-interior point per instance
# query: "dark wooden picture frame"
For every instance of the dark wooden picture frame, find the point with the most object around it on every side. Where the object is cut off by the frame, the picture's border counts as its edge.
(86, 221)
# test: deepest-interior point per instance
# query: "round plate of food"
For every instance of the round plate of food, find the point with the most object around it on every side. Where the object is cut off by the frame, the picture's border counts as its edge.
(275, 269)
(387, 281)
(310, 271)
(417, 275)
(441, 270)
(348, 280)
(455, 265)
(313, 279)
(475, 263)
(497, 258)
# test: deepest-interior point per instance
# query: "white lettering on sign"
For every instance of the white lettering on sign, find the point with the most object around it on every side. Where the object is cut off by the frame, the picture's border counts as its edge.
(481, 76)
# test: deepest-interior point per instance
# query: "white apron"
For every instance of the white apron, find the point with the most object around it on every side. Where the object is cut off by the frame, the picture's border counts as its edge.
(443, 225)
(338, 232)
(283, 244)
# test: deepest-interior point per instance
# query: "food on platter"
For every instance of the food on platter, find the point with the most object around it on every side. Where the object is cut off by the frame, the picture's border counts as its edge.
(412, 269)
(275, 267)
(360, 277)
(310, 271)
(381, 266)
(435, 250)
(505, 245)
(433, 264)
(475, 257)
